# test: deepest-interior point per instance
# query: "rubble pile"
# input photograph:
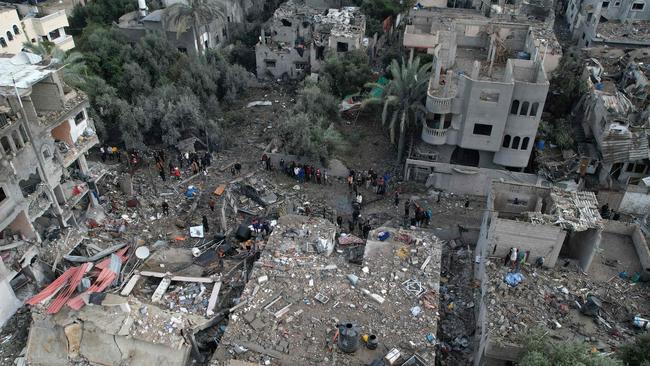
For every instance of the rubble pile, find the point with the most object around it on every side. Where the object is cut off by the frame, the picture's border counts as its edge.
(296, 297)
(553, 299)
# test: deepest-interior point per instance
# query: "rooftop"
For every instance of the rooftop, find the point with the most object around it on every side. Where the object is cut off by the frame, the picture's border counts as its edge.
(297, 297)
(577, 211)
(20, 72)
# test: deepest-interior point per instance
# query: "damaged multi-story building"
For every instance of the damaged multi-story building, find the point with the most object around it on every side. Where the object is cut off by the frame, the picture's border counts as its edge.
(195, 38)
(613, 114)
(563, 281)
(615, 23)
(301, 35)
(34, 24)
(45, 133)
(486, 94)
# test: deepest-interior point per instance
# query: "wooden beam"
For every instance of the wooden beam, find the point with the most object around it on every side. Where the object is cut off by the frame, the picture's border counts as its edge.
(176, 278)
(213, 298)
(160, 290)
(130, 285)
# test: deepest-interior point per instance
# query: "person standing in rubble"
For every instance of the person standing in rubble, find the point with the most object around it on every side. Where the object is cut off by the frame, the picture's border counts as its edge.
(318, 176)
(177, 173)
(396, 198)
(161, 169)
(102, 150)
(165, 208)
(206, 228)
(511, 258)
(366, 229)
(339, 221)
(521, 259)
(212, 203)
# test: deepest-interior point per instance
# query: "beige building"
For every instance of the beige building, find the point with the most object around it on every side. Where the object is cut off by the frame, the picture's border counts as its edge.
(12, 34)
(19, 25)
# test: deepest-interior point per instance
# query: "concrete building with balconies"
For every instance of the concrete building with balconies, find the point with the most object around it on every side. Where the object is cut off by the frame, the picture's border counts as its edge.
(44, 176)
(486, 94)
(20, 24)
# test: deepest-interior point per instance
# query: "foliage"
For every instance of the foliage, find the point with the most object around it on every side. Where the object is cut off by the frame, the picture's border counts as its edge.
(636, 353)
(567, 85)
(243, 55)
(192, 15)
(313, 101)
(402, 98)
(347, 73)
(74, 67)
(541, 351)
(558, 132)
(151, 93)
(309, 135)
(376, 11)
(100, 12)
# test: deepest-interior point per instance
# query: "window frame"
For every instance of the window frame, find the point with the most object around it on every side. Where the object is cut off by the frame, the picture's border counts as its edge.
(480, 126)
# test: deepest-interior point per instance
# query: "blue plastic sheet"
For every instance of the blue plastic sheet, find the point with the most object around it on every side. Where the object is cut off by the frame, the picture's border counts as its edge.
(513, 278)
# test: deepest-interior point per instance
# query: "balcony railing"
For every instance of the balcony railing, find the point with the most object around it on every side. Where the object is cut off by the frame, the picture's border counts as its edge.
(82, 145)
(434, 136)
(439, 104)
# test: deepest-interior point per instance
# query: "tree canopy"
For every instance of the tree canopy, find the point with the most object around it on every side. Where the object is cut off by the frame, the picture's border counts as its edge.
(151, 93)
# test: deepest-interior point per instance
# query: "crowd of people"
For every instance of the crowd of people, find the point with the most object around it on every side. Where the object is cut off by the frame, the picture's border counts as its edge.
(193, 162)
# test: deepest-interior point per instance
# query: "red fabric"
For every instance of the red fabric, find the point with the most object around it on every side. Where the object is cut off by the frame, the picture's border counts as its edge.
(120, 253)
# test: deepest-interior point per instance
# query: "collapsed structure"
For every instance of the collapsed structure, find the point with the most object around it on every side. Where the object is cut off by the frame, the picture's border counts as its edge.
(301, 301)
(486, 94)
(45, 133)
(299, 38)
(613, 115)
(615, 23)
(547, 224)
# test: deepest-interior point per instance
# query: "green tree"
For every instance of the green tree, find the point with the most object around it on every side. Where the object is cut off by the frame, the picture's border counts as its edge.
(402, 99)
(194, 14)
(99, 11)
(347, 73)
(636, 353)
(74, 67)
(566, 83)
(314, 101)
(539, 350)
(312, 136)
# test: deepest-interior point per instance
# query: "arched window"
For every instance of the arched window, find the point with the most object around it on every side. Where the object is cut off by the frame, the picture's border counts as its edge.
(515, 142)
(524, 109)
(515, 107)
(10, 36)
(533, 109)
(16, 30)
(3, 43)
(506, 141)
(524, 143)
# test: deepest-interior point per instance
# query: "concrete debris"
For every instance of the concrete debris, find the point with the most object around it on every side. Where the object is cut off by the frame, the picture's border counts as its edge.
(294, 319)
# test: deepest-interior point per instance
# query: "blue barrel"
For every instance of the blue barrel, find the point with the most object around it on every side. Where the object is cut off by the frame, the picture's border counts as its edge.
(540, 144)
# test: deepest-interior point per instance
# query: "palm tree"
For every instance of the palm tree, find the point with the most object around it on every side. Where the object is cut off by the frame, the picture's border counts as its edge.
(402, 98)
(194, 14)
(74, 68)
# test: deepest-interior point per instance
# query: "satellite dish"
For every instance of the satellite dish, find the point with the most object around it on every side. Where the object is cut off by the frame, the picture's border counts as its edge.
(142, 253)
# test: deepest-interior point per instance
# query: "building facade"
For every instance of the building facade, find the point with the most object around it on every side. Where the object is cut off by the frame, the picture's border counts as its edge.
(44, 133)
(26, 24)
(487, 90)
(137, 24)
(300, 37)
